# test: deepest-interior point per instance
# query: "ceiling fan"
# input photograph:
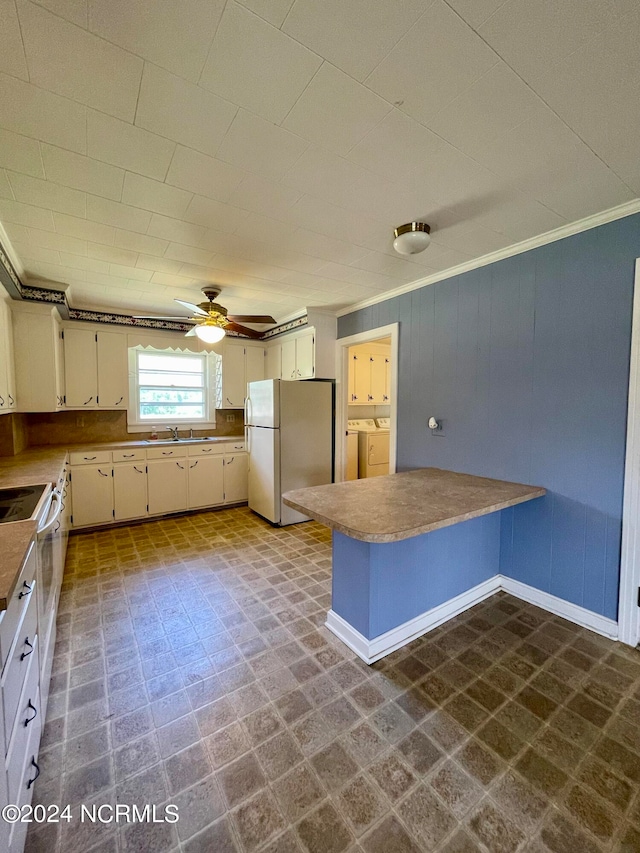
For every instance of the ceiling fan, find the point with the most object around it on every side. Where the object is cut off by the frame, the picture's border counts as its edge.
(212, 320)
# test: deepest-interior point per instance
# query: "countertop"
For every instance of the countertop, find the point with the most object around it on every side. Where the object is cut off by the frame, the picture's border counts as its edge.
(399, 506)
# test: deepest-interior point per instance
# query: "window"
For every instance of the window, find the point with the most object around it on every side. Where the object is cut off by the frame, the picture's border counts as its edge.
(169, 387)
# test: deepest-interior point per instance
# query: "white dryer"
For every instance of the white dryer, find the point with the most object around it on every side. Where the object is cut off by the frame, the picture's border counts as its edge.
(373, 447)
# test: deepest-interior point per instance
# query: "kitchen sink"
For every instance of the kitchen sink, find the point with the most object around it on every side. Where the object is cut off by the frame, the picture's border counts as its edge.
(176, 440)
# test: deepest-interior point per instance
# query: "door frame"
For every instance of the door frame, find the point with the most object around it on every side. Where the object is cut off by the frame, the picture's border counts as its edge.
(342, 384)
(628, 609)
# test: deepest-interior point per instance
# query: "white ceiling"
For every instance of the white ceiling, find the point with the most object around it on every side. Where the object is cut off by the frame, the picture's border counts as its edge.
(148, 147)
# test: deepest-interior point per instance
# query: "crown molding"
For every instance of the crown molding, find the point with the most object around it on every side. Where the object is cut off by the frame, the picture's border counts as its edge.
(569, 230)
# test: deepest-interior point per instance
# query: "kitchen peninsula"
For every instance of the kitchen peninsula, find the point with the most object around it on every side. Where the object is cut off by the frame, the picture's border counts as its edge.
(410, 550)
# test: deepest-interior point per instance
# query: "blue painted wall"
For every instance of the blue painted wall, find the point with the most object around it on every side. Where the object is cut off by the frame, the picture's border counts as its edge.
(527, 363)
(377, 587)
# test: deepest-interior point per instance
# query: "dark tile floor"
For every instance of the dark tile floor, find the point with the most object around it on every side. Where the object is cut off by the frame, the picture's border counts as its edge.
(192, 668)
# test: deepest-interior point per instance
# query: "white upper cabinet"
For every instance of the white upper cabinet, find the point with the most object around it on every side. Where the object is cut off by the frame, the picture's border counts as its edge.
(273, 366)
(369, 375)
(305, 354)
(95, 369)
(7, 374)
(298, 356)
(240, 363)
(38, 358)
(113, 380)
(81, 368)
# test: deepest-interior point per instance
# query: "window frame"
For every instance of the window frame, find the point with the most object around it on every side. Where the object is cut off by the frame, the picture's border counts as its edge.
(134, 421)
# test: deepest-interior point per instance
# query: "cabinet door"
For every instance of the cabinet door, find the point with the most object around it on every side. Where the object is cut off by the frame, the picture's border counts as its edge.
(206, 485)
(113, 371)
(273, 367)
(130, 490)
(378, 379)
(4, 389)
(289, 358)
(254, 364)
(305, 356)
(80, 368)
(236, 476)
(9, 385)
(351, 382)
(361, 378)
(167, 484)
(91, 494)
(38, 380)
(387, 380)
(233, 377)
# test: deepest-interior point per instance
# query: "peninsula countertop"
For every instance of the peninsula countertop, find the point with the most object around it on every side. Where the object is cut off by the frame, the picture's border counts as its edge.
(400, 506)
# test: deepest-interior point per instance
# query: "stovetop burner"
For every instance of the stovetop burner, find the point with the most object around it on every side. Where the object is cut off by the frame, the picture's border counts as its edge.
(20, 503)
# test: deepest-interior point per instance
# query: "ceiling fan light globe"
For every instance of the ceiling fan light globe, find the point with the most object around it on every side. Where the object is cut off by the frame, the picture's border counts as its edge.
(210, 334)
(411, 238)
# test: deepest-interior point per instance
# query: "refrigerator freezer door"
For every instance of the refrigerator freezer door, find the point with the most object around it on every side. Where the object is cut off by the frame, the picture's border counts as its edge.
(262, 407)
(264, 471)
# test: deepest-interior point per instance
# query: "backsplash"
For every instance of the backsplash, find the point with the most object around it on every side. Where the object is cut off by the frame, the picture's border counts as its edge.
(18, 431)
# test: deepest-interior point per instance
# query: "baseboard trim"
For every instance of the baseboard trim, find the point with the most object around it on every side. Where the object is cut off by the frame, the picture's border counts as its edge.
(372, 650)
(382, 645)
(560, 607)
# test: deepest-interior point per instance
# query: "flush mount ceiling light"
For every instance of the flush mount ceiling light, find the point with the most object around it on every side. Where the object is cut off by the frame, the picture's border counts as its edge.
(411, 238)
(209, 333)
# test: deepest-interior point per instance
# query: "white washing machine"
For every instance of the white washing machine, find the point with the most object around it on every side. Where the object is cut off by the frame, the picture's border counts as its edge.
(373, 447)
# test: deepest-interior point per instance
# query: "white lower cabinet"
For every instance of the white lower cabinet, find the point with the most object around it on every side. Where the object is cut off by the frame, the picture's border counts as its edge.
(137, 482)
(167, 484)
(206, 486)
(236, 476)
(130, 490)
(91, 494)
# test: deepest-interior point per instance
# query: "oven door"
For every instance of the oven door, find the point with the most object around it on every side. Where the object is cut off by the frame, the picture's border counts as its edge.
(49, 569)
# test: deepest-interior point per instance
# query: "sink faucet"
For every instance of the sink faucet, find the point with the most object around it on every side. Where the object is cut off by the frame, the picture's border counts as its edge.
(174, 433)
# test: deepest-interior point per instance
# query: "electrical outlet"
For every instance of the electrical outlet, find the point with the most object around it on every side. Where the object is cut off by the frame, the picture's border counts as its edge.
(441, 430)
(230, 418)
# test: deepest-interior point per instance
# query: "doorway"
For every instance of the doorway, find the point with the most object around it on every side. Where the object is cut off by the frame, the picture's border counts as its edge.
(347, 408)
(629, 601)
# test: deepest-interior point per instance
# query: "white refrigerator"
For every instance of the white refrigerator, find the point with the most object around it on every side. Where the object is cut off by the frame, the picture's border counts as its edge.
(289, 428)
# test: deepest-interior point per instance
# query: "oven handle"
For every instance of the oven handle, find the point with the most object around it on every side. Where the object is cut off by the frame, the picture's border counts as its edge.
(55, 497)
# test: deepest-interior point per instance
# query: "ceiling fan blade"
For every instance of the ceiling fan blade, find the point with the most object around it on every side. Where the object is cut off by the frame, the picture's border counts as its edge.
(195, 309)
(243, 330)
(250, 318)
(191, 333)
(158, 317)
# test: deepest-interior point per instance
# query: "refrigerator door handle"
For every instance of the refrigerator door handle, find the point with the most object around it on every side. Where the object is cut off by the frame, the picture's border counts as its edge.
(247, 409)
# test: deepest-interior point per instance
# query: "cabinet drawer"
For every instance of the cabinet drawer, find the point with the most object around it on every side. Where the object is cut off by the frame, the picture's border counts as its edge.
(17, 604)
(23, 649)
(206, 449)
(165, 452)
(235, 447)
(90, 457)
(133, 455)
(28, 718)
(29, 773)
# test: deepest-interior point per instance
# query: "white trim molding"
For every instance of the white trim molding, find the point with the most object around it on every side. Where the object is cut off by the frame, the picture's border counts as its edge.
(628, 610)
(560, 607)
(372, 650)
(593, 221)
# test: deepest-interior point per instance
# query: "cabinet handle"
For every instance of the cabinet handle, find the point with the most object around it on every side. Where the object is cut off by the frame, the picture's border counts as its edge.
(119, 401)
(206, 449)
(86, 403)
(102, 474)
(11, 400)
(89, 458)
(384, 397)
(194, 464)
(167, 452)
(138, 470)
(57, 527)
(369, 397)
(181, 467)
(1, 400)
(33, 764)
(29, 590)
(229, 402)
(229, 461)
(30, 652)
(31, 707)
